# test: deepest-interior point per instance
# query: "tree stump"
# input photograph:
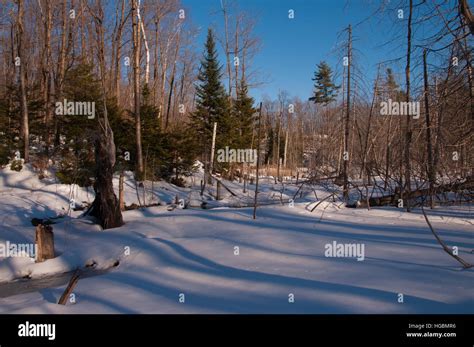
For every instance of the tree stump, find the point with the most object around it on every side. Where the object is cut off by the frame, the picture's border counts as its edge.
(219, 190)
(44, 242)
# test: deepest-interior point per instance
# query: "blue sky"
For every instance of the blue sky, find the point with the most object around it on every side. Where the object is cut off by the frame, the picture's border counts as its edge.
(291, 48)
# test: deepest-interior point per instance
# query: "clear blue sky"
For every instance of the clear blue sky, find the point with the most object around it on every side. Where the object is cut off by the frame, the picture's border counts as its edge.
(291, 48)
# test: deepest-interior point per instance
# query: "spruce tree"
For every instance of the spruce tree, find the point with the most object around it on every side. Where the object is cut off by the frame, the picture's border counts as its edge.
(244, 117)
(391, 87)
(325, 91)
(77, 162)
(211, 100)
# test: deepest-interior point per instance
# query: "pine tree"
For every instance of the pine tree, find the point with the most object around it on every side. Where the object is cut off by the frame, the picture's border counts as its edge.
(167, 154)
(211, 99)
(325, 91)
(392, 88)
(391, 83)
(244, 117)
(77, 163)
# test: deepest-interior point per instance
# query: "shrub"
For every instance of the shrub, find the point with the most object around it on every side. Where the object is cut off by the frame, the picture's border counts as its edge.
(16, 165)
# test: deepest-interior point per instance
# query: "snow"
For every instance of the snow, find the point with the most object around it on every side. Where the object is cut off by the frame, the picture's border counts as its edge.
(192, 252)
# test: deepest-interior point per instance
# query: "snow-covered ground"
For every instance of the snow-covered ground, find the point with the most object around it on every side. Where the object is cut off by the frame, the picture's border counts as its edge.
(281, 255)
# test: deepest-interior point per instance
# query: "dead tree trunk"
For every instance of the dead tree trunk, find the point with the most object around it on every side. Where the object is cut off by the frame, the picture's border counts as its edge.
(105, 207)
(429, 147)
(467, 14)
(369, 123)
(408, 134)
(118, 43)
(59, 84)
(136, 87)
(279, 143)
(258, 161)
(347, 120)
(25, 130)
(226, 46)
(173, 73)
(46, 70)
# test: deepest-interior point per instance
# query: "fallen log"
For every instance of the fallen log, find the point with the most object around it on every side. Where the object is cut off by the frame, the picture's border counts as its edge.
(392, 199)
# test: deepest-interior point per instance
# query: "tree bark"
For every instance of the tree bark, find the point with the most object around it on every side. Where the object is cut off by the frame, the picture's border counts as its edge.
(118, 50)
(44, 242)
(147, 50)
(25, 130)
(226, 47)
(467, 14)
(173, 73)
(136, 88)
(258, 162)
(105, 206)
(46, 16)
(61, 70)
(347, 120)
(369, 124)
(429, 147)
(408, 134)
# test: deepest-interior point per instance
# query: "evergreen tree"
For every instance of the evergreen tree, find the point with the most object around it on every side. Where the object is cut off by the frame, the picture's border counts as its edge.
(75, 152)
(391, 83)
(325, 91)
(77, 163)
(211, 100)
(6, 134)
(391, 87)
(244, 117)
(167, 155)
(181, 154)
(270, 140)
(153, 141)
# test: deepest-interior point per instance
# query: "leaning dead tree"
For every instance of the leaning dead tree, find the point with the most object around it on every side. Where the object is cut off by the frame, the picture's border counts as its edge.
(464, 263)
(106, 207)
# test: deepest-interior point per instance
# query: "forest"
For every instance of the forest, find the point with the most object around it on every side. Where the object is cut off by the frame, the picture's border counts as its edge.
(135, 140)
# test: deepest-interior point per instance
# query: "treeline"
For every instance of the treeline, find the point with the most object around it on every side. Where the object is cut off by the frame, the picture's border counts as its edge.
(138, 64)
(157, 96)
(343, 129)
